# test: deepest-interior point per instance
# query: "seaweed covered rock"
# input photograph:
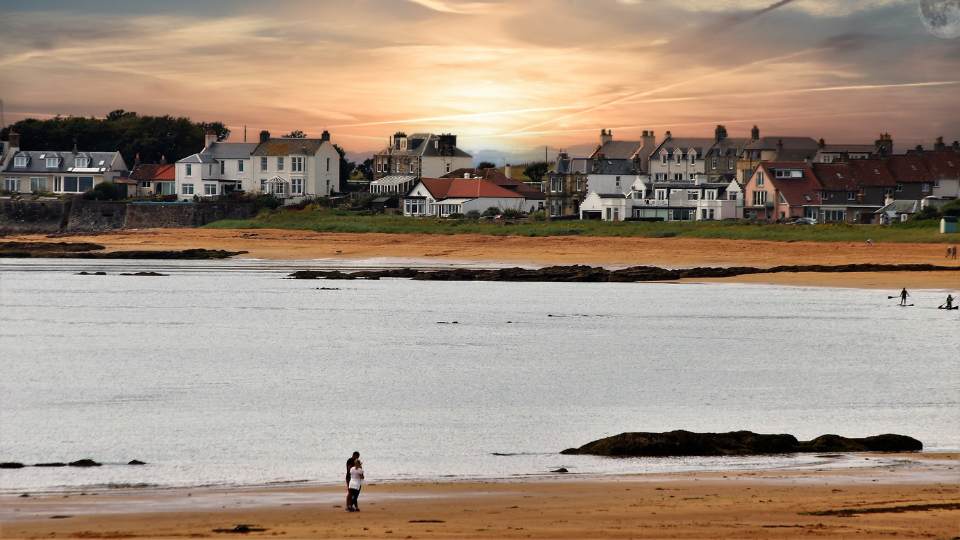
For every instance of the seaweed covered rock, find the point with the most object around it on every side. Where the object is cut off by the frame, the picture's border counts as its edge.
(687, 443)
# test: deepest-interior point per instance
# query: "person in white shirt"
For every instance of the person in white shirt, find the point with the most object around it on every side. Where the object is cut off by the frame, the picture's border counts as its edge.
(356, 483)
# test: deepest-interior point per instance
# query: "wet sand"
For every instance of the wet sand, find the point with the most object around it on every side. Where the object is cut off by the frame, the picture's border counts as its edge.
(600, 251)
(917, 496)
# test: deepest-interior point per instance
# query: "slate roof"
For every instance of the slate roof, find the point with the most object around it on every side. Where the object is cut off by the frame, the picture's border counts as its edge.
(849, 148)
(617, 150)
(287, 147)
(729, 146)
(789, 143)
(612, 166)
(37, 161)
(421, 144)
(219, 151)
(684, 144)
(462, 188)
(146, 172)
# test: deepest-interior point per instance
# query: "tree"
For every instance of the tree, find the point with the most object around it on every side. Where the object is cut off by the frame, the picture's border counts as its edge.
(486, 165)
(296, 134)
(120, 130)
(105, 191)
(535, 171)
(346, 167)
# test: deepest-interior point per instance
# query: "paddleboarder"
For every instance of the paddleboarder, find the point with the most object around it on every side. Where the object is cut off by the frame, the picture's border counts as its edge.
(903, 296)
(949, 303)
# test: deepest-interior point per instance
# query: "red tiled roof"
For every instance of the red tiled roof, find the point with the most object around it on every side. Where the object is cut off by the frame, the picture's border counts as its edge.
(854, 174)
(908, 168)
(797, 191)
(943, 164)
(155, 172)
(463, 188)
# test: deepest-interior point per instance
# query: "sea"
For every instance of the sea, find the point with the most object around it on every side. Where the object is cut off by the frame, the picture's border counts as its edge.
(226, 373)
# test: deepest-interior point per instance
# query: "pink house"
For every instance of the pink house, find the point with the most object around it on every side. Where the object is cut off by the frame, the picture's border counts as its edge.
(782, 190)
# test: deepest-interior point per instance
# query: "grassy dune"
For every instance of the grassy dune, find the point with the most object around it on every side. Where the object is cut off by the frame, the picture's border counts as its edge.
(324, 220)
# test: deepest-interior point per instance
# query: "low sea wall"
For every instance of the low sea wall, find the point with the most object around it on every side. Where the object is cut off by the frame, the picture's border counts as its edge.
(80, 215)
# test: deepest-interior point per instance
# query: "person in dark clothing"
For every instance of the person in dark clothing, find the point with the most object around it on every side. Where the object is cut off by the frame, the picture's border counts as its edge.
(350, 462)
(903, 297)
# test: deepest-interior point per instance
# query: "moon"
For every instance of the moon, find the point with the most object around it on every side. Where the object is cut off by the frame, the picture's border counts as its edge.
(941, 17)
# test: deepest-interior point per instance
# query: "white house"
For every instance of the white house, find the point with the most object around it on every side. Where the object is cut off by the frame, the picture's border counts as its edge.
(219, 168)
(56, 171)
(294, 169)
(679, 159)
(444, 196)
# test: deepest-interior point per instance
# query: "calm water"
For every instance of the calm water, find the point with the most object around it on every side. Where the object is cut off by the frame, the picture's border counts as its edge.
(242, 377)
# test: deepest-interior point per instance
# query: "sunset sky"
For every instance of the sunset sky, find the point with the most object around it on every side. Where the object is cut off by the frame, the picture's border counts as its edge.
(504, 75)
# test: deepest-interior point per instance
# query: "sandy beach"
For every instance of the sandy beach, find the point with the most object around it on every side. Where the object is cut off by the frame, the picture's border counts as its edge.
(601, 251)
(910, 496)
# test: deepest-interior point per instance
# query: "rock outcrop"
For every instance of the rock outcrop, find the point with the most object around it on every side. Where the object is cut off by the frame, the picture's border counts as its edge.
(736, 443)
(593, 274)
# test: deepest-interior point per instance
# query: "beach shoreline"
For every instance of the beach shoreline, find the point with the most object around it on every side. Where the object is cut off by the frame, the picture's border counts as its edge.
(609, 252)
(907, 494)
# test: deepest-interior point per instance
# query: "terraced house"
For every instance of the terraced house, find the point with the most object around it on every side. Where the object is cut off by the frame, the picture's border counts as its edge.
(58, 171)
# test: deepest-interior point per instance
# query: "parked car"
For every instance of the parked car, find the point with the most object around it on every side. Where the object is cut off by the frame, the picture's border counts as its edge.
(804, 221)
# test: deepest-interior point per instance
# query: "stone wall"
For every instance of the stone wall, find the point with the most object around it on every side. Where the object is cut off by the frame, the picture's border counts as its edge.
(79, 215)
(29, 216)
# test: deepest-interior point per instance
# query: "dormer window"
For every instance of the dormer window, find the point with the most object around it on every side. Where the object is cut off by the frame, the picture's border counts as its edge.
(663, 158)
(20, 161)
(693, 157)
(53, 162)
(679, 156)
(81, 162)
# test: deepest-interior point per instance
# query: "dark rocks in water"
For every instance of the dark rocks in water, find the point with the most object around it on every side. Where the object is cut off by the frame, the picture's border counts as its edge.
(888, 442)
(241, 529)
(84, 463)
(146, 274)
(136, 462)
(91, 273)
(11, 465)
(184, 254)
(736, 443)
(591, 274)
(87, 250)
(24, 495)
(561, 470)
(52, 464)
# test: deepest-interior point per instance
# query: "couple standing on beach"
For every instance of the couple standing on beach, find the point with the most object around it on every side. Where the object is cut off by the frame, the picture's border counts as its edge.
(354, 481)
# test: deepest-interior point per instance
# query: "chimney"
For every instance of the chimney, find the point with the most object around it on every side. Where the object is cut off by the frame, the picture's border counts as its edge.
(668, 136)
(649, 139)
(325, 136)
(264, 135)
(507, 170)
(938, 145)
(779, 147)
(14, 139)
(209, 138)
(884, 145)
(75, 151)
(163, 159)
(755, 133)
(720, 133)
(605, 136)
(956, 146)
(821, 143)
(136, 159)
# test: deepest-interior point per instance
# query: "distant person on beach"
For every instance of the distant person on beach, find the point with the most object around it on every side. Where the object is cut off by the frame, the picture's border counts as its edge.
(903, 297)
(353, 488)
(350, 462)
(949, 304)
(952, 252)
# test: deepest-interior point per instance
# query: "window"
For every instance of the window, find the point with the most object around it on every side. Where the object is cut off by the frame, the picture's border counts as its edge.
(279, 163)
(781, 199)
(556, 184)
(81, 162)
(263, 185)
(693, 195)
(448, 167)
(20, 161)
(660, 177)
(11, 184)
(661, 194)
(936, 183)
(693, 157)
(280, 188)
(834, 215)
(759, 198)
(414, 206)
(618, 182)
(77, 184)
(189, 169)
(707, 213)
(263, 163)
(239, 165)
(296, 186)
(223, 167)
(732, 196)
(851, 195)
(328, 164)
(296, 164)
(663, 158)
(713, 163)
(210, 170)
(759, 178)
(53, 163)
(38, 184)
(925, 188)
(678, 177)
(710, 195)
(899, 188)
(186, 189)
(210, 189)
(678, 155)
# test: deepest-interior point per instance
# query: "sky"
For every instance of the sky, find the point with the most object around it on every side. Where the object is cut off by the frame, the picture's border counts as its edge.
(508, 76)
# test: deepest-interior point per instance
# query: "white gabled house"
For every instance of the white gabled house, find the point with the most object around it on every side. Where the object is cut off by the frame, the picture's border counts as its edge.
(444, 196)
(295, 169)
(218, 169)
